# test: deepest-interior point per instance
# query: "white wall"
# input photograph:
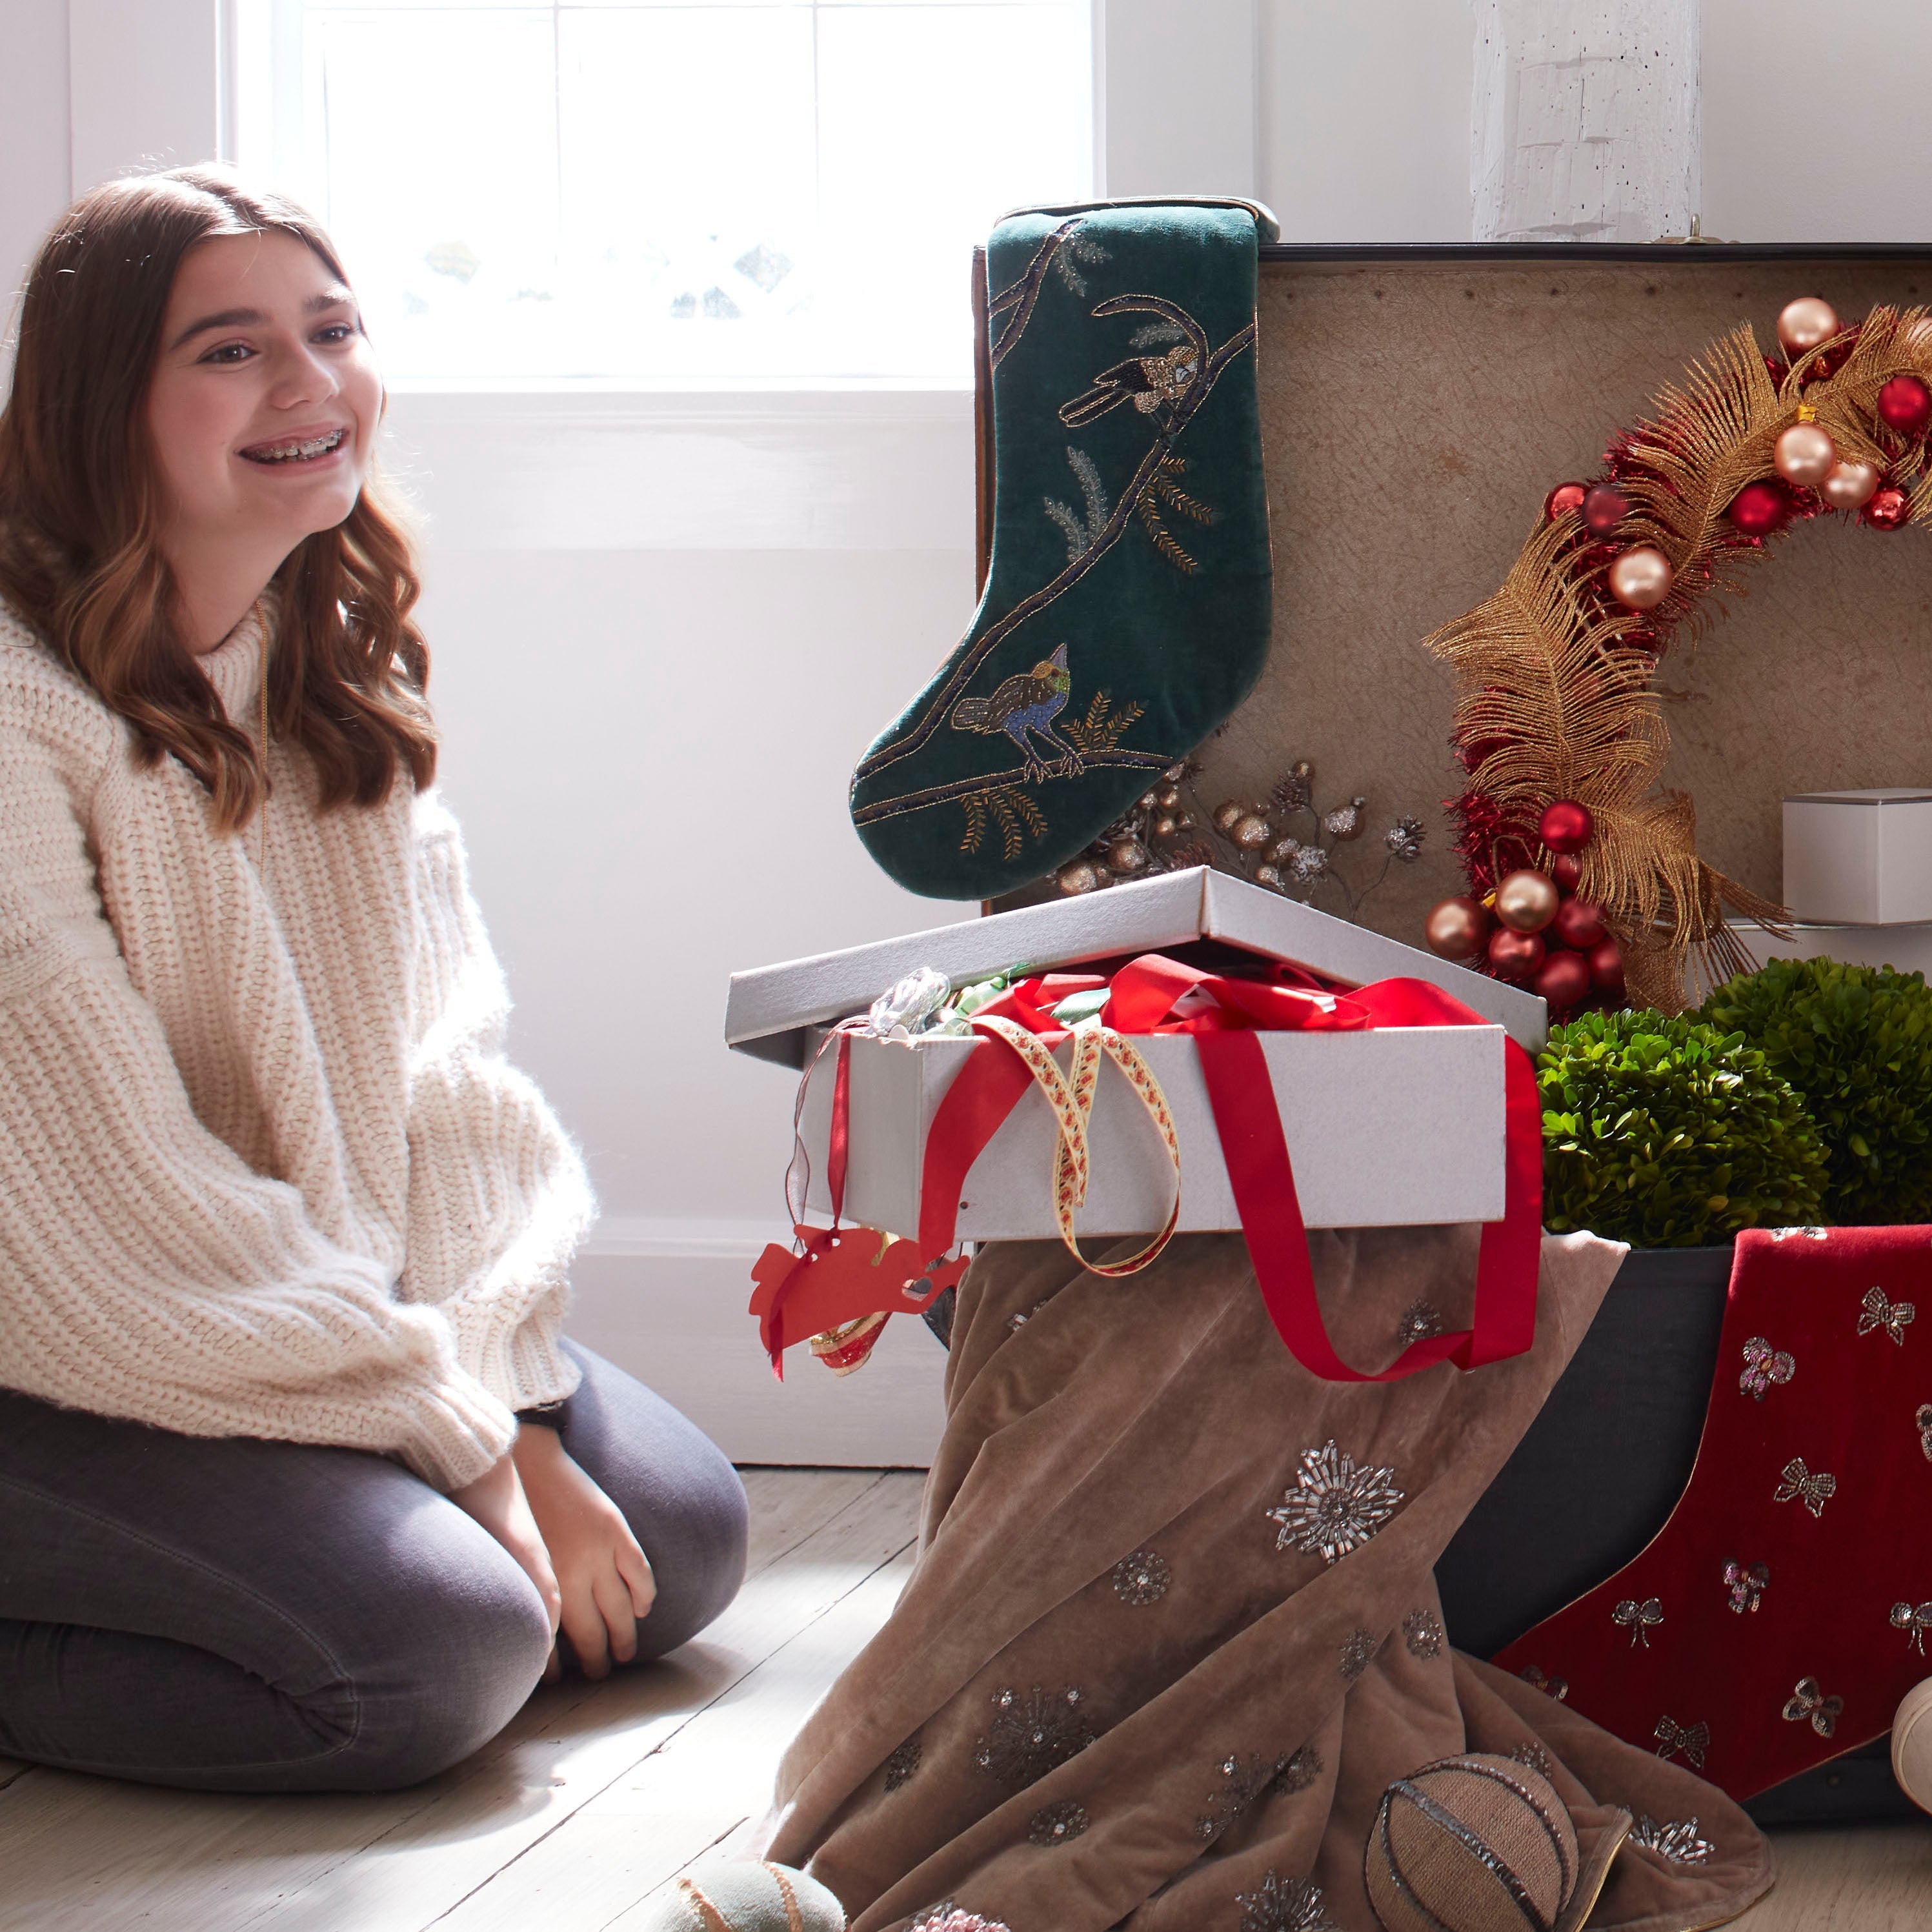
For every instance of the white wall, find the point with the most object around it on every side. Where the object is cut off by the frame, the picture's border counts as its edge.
(665, 626)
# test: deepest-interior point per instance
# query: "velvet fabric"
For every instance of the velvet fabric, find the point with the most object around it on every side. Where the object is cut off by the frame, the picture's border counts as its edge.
(1797, 1555)
(1127, 605)
(1126, 1686)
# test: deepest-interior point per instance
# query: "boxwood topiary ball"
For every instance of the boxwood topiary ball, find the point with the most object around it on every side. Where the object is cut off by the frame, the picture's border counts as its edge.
(1855, 1043)
(1668, 1133)
(1472, 1844)
(745, 1898)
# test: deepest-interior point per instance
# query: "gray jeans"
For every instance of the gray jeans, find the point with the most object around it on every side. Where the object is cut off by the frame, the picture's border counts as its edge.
(234, 1615)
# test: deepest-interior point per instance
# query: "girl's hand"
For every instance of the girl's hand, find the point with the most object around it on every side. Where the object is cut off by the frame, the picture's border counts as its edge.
(605, 1579)
(496, 1500)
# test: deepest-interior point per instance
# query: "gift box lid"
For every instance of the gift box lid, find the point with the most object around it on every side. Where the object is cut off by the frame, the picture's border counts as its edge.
(771, 1008)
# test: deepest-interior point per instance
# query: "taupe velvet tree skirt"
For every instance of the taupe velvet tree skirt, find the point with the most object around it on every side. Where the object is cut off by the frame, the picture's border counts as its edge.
(1118, 1692)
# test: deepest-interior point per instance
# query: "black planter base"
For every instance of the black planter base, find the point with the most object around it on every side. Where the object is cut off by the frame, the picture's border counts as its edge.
(1597, 1476)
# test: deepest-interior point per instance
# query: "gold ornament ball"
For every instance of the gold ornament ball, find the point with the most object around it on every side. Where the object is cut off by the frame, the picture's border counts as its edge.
(1125, 855)
(1456, 929)
(1149, 800)
(1225, 815)
(1640, 578)
(1849, 486)
(1166, 826)
(1805, 454)
(1803, 324)
(1077, 876)
(1251, 831)
(1526, 901)
(1267, 875)
(1167, 797)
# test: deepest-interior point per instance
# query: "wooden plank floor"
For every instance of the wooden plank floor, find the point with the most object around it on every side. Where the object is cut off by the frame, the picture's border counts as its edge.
(599, 1795)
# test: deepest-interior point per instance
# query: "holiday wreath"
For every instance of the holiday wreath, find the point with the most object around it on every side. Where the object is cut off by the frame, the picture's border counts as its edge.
(1584, 874)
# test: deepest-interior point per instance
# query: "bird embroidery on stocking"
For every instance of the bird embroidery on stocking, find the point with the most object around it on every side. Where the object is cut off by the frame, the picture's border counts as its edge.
(1024, 707)
(1747, 1586)
(1806, 1701)
(1801, 1485)
(1894, 1317)
(1638, 1618)
(1672, 1737)
(1915, 1622)
(1763, 1366)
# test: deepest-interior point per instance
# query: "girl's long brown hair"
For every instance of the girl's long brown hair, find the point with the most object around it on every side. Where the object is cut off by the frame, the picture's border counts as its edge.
(80, 508)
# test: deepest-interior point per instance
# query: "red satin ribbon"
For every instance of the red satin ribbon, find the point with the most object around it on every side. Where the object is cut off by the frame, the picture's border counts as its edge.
(1155, 995)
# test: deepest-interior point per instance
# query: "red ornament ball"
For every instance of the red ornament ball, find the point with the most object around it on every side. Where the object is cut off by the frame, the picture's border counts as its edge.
(1579, 924)
(1567, 869)
(1905, 404)
(1887, 510)
(1564, 980)
(1604, 508)
(1760, 508)
(1607, 968)
(1515, 956)
(1566, 826)
(1563, 501)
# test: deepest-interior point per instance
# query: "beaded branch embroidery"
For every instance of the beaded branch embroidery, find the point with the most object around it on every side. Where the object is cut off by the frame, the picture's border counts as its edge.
(1335, 1506)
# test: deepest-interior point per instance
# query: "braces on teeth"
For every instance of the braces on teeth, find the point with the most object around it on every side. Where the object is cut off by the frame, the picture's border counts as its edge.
(291, 452)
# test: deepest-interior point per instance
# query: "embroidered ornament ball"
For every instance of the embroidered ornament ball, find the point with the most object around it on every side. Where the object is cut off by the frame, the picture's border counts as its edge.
(745, 1898)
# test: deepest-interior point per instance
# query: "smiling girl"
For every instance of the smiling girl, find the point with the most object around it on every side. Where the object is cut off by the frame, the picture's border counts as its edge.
(298, 1474)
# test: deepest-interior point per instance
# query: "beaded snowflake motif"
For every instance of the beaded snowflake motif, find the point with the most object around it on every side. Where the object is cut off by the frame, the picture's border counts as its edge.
(1421, 1321)
(1033, 1734)
(1358, 1647)
(1142, 1579)
(903, 1762)
(1531, 1756)
(1056, 1824)
(1675, 1839)
(1335, 1506)
(1284, 1905)
(1245, 1781)
(1422, 1631)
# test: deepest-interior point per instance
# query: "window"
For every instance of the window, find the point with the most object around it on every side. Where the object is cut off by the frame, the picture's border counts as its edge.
(670, 188)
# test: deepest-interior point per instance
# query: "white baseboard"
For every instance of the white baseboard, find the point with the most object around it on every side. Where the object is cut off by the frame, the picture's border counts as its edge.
(666, 1300)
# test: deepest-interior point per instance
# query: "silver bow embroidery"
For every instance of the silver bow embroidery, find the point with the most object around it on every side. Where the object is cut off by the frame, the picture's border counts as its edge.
(1640, 1619)
(1558, 1688)
(1808, 1234)
(1923, 1420)
(1334, 1507)
(1894, 1317)
(1806, 1701)
(1812, 1491)
(1675, 1839)
(1672, 1737)
(1747, 1586)
(1917, 1620)
(1763, 1365)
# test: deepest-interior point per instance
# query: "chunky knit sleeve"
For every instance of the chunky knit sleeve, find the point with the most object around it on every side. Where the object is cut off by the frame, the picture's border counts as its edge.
(498, 1198)
(146, 1270)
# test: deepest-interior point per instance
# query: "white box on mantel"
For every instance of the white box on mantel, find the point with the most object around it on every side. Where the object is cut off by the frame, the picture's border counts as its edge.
(1859, 858)
(1398, 1126)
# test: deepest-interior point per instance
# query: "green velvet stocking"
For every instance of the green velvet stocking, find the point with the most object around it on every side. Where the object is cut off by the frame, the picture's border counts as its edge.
(1127, 609)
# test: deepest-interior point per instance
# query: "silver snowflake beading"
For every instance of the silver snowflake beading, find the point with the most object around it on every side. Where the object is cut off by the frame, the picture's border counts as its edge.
(1422, 1631)
(903, 1762)
(1675, 1839)
(1056, 1824)
(1142, 1579)
(1358, 1650)
(1531, 1756)
(1284, 1905)
(1032, 1735)
(1335, 1506)
(1421, 1321)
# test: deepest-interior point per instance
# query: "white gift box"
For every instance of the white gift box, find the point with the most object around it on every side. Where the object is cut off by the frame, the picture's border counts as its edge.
(1391, 1126)
(1859, 858)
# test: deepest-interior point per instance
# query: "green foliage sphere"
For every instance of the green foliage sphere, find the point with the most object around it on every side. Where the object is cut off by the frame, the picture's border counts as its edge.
(1668, 1133)
(1855, 1042)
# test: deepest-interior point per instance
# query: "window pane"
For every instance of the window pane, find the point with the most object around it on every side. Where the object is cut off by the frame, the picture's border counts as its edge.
(677, 188)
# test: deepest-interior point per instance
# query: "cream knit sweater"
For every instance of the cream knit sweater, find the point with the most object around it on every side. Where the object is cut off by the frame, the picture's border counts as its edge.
(264, 1169)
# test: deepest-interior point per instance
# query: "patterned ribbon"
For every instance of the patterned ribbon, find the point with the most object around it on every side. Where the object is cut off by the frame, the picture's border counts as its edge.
(1071, 1097)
